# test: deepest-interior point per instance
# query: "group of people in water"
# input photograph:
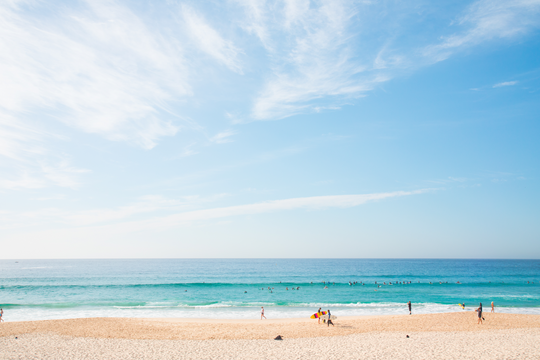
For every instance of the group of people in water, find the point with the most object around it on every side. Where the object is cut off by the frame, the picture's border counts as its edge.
(351, 283)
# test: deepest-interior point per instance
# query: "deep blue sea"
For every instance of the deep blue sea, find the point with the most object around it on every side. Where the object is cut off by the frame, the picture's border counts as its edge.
(237, 288)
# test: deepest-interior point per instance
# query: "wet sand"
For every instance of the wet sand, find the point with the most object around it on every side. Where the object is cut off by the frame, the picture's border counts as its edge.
(433, 336)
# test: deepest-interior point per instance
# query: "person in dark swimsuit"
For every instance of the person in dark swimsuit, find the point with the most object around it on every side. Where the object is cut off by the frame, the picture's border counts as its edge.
(479, 311)
(409, 304)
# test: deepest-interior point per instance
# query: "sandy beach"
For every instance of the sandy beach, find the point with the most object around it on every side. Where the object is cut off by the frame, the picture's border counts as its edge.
(433, 336)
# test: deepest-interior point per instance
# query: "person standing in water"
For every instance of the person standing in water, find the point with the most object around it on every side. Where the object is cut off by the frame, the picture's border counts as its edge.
(492, 307)
(409, 305)
(262, 313)
(479, 311)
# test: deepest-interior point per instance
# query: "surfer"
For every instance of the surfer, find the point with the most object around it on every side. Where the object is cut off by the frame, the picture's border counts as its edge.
(409, 305)
(262, 313)
(319, 313)
(329, 321)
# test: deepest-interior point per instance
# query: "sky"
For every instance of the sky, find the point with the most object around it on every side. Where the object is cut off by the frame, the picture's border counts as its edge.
(269, 129)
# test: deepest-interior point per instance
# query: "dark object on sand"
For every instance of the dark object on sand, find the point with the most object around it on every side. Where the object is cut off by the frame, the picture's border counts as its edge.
(407, 336)
(278, 337)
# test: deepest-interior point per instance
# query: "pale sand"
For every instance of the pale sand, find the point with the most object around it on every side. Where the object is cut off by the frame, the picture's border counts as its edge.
(434, 336)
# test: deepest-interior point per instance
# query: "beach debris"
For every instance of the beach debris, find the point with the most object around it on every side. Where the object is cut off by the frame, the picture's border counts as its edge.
(278, 337)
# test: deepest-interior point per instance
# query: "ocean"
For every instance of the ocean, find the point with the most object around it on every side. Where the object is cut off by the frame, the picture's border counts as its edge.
(237, 288)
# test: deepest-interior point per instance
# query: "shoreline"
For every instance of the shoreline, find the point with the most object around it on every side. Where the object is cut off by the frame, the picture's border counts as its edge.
(293, 328)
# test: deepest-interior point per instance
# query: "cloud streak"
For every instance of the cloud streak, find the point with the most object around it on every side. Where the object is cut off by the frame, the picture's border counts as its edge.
(506, 83)
(122, 216)
(305, 203)
(210, 41)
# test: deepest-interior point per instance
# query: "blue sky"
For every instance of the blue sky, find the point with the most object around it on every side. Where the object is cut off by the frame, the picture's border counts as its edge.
(290, 128)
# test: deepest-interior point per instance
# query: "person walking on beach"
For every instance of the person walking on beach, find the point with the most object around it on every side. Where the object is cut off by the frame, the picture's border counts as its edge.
(479, 311)
(319, 313)
(492, 307)
(262, 313)
(1, 315)
(329, 321)
(409, 305)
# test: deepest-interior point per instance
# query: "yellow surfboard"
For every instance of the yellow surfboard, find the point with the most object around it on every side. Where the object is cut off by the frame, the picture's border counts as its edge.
(316, 315)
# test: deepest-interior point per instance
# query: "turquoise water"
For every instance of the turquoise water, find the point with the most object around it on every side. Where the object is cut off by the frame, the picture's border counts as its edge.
(237, 288)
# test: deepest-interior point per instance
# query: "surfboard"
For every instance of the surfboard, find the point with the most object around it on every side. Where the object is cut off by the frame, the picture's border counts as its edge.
(316, 315)
(332, 317)
(463, 307)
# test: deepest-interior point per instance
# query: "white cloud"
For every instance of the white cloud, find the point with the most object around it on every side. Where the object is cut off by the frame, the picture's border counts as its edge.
(313, 60)
(98, 68)
(506, 83)
(26, 163)
(210, 41)
(146, 204)
(223, 137)
(487, 20)
(101, 70)
(308, 203)
(120, 217)
(254, 20)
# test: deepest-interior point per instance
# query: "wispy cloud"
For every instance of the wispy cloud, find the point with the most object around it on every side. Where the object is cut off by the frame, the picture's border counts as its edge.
(487, 20)
(307, 203)
(210, 41)
(27, 163)
(101, 70)
(223, 137)
(122, 216)
(144, 205)
(97, 68)
(316, 61)
(312, 58)
(506, 83)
